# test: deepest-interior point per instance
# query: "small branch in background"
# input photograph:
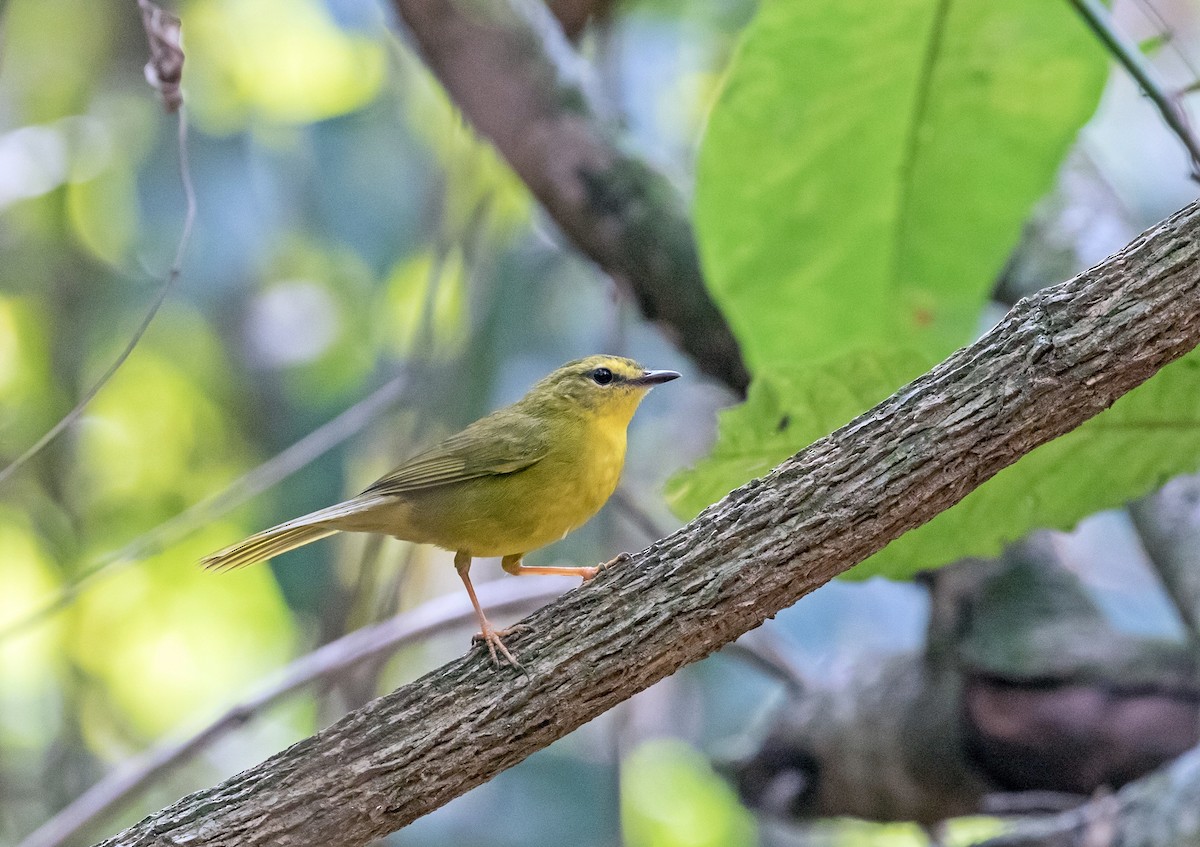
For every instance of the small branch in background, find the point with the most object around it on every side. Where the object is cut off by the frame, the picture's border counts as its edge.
(638, 515)
(766, 649)
(164, 71)
(355, 686)
(361, 609)
(511, 70)
(575, 15)
(1168, 525)
(371, 643)
(1158, 810)
(1169, 40)
(1099, 20)
(1025, 803)
(279, 467)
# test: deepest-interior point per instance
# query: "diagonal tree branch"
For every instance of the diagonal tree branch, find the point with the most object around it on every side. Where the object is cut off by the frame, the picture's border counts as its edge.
(1057, 359)
(508, 66)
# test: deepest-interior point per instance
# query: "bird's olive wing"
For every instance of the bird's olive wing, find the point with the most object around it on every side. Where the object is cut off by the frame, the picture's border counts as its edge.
(502, 443)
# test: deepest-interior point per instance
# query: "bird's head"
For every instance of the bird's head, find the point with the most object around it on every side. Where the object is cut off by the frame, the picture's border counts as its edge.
(603, 386)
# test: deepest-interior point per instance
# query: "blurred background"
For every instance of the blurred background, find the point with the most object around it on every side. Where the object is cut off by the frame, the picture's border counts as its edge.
(358, 248)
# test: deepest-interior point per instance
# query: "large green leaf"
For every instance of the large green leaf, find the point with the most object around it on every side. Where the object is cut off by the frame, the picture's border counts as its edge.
(868, 166)
(1148, 435)
(786, 409)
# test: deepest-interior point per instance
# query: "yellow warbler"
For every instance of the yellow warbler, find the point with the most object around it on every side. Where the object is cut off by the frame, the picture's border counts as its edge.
(514, 481)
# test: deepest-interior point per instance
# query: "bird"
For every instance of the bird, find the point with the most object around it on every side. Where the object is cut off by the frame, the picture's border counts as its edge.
(516, 480)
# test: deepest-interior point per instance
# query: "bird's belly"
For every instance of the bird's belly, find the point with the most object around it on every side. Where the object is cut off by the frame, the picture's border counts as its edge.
(515, 513)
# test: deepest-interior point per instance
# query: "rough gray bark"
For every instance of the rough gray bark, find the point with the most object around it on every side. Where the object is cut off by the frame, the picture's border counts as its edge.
(508, 66)
(1161, 810)
(1056, 359)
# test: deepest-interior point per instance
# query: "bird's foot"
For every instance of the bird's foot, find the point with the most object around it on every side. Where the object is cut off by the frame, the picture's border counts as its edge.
(591, 573)
(492, 638)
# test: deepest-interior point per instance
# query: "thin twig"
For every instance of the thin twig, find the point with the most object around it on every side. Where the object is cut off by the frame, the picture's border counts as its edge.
(372, 642)
(770, 652)
(318, 442)
(638, 515)
(1157, 20)
(168, 284)
(164, 71)
(1024, 803)
(1099, 21)
(1168, 534)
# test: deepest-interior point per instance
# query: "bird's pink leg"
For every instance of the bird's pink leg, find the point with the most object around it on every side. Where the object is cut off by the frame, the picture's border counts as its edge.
(488, 634)
(513, 565)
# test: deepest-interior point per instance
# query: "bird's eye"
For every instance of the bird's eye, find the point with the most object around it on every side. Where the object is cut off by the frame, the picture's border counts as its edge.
(603, 376)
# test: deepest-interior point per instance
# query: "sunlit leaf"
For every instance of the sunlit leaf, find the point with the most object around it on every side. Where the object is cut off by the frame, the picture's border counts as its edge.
(787, 409)
(670, 797)
(27, 391)
(185, 628)
(425, 308)
(1148, 436)
(153, 441)
(284, 61)
(54, 51)
(103, 212)
(868, 166)
(106, 149)
(29, 580)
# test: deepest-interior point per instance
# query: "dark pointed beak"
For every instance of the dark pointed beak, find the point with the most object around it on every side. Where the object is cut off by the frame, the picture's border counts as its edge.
(655, 378)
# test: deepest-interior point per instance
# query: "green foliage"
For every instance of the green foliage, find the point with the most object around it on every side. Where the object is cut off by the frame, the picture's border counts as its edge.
(475, 176)
(1154, 43)
(183, 629)
(107, 148)
(319, 333)
(39, 35)
(24, 371)
(867, 168)
(28, 664)
(670, 797)
(426, 303)
(957, 832)
(785, 410)
(1148, 436)
(896, 151)
(279, 60)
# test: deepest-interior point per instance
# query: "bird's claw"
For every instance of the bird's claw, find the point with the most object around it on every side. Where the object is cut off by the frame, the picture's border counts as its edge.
(619, 559)
(496, 648)
(591, 573)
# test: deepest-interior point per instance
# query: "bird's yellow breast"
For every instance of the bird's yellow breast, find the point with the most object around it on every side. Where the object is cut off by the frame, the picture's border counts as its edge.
(519, 512)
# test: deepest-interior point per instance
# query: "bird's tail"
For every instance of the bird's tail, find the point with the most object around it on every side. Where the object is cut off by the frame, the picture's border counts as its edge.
(286, 536)
(264, 545)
